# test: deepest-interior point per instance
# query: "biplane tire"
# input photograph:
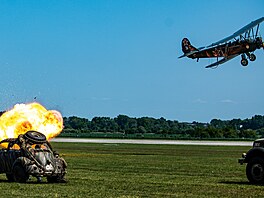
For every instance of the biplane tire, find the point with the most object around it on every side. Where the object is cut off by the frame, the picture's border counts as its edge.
(244, 62)
(252, 57)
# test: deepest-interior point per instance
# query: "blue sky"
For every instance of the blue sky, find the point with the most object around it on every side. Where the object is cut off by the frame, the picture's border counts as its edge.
(105, 58)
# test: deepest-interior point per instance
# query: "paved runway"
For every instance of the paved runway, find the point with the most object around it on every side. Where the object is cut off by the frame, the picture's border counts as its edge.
(170, 142)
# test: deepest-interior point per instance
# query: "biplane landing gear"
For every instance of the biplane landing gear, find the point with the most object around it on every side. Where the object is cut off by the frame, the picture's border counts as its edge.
(252, 57)
(244, 61)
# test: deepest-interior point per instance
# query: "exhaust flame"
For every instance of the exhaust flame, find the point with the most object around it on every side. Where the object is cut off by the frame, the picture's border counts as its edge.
(33, 116)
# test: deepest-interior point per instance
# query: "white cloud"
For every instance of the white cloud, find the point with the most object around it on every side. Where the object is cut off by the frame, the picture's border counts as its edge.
(228, 101)
(200, 101)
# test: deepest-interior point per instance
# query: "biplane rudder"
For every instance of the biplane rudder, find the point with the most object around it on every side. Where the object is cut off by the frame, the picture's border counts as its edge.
(187, 47)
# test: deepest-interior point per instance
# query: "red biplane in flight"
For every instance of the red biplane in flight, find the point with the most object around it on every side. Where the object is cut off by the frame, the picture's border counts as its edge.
(243, 42)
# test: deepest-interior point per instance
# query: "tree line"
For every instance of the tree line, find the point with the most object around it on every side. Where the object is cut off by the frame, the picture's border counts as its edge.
(236, 128)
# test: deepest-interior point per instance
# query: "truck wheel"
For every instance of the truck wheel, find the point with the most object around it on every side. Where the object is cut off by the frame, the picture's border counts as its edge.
(35, 136)
(255, 170)
(10, 177)
(56, 179)
(20, 174)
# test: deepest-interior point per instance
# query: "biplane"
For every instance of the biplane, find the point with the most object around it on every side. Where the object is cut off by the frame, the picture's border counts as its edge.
(243, 42)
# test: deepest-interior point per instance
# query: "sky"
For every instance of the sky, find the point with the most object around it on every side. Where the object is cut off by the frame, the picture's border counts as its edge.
(110, 57)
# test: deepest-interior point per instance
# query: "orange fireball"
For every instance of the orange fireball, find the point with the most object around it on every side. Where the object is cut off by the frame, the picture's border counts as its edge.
(33, 116)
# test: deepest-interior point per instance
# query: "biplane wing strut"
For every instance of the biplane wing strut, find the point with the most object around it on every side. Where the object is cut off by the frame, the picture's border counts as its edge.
(240, 31)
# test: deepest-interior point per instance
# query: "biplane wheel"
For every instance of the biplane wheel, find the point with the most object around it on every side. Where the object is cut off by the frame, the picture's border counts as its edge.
(244, 62)
(252, 57)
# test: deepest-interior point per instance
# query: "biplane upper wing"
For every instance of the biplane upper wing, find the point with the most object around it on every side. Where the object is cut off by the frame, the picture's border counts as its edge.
(221, 61)
(239, 32)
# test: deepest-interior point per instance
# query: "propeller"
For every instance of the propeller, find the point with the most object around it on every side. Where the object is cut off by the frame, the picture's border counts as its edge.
(261, 42)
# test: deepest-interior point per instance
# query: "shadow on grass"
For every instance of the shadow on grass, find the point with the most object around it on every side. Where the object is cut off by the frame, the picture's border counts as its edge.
(34, 182)
(4, 181)
(240, 183)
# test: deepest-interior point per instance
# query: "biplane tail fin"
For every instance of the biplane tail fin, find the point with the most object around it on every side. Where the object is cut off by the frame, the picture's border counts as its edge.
(187, 47)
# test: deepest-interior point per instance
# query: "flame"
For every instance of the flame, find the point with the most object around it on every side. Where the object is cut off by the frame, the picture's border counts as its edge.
(33, 116)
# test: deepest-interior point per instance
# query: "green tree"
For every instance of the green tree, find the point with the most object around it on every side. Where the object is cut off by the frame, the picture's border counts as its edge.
(104, 124)
(74, 122)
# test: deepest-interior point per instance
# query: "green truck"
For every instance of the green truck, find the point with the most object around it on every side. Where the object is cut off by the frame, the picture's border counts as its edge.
(255, 162)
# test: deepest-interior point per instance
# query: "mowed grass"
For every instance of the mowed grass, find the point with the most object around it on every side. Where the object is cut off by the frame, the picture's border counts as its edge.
(126, 170)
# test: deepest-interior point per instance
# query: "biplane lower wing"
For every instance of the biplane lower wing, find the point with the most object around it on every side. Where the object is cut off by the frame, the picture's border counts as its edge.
(221, 61)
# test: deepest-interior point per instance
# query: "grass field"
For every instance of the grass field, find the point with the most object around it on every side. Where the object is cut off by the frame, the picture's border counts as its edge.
(126, 170)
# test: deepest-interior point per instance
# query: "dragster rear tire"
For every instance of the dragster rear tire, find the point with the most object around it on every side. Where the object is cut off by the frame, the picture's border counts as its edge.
(35, 136)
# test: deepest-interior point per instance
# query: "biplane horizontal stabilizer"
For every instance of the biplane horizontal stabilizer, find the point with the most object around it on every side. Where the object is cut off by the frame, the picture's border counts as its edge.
(188, 54)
